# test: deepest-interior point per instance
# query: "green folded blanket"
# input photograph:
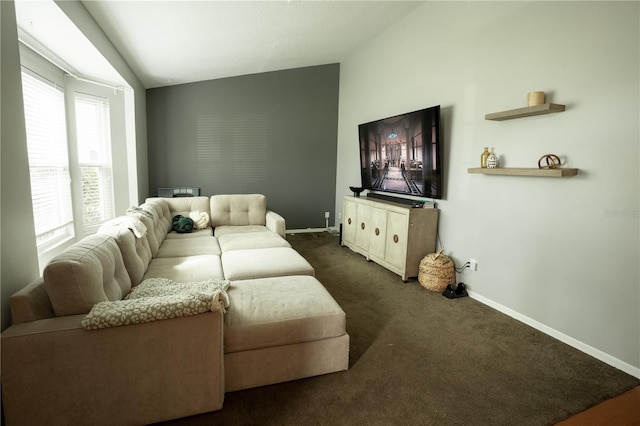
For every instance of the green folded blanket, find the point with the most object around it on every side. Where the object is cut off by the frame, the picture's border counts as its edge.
(182, 225)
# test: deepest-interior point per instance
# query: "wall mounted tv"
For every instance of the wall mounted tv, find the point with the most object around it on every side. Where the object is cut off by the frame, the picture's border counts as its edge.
(402, 154)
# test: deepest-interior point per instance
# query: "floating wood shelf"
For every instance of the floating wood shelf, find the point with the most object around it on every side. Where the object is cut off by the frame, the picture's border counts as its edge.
(525, 112)
(517, 171)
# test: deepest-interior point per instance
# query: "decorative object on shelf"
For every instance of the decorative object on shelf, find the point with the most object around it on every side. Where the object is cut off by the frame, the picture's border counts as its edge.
(484, 157)
(525, 171)
(535, 98)
(492, 161)
(436, 271)
(356, 190)
(552, 161)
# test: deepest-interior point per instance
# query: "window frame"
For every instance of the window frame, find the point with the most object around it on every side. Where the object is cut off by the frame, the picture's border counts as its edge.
(103, 162)
(122, 149)
(63, 229)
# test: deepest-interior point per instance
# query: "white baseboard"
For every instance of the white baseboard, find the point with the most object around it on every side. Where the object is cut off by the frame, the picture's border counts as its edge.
(302, 231)
(581, 346)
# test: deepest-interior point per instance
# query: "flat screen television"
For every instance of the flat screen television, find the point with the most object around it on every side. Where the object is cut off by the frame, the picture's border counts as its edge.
(403, 154)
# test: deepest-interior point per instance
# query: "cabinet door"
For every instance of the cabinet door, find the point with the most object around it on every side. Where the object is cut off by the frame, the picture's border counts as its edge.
(363, 226)
(396, 240)
(378, 231)
(349, 222)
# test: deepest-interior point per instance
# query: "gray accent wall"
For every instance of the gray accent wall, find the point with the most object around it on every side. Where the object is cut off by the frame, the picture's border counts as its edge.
(273, 133)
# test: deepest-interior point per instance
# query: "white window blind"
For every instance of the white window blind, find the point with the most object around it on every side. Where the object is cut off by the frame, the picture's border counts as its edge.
(94, 159)
(48, 160)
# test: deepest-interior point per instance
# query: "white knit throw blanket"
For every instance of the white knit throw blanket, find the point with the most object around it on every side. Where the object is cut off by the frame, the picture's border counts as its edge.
(200, 219)
(158, 299)
(136, 226)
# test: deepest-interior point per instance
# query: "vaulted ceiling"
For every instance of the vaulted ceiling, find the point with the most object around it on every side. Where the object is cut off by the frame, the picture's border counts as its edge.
(173, 42)
(169, 42)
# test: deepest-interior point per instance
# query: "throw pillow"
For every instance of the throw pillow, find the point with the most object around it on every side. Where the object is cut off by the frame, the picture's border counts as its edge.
(182, 225)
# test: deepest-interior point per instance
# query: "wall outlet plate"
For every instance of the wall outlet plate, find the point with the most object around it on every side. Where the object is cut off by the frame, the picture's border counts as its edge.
(473, 264)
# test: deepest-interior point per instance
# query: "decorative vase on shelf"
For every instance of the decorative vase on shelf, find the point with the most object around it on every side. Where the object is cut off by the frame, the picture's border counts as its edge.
(492, 160)
(484, 157)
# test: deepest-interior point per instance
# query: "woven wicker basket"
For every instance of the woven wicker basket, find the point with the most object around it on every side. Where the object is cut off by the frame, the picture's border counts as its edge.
(436, 271)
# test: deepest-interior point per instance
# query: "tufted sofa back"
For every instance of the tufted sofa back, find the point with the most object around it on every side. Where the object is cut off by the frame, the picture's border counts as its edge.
(90, 271)
(184, 205)
(158, 225)
(238, 209)
(135, 250)
(161, 208)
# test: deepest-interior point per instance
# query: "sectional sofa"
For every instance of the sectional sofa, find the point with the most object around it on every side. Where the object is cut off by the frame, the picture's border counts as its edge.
(279, 324)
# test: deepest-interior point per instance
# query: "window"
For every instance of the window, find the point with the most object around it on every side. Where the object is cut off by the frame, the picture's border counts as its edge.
(52, 170)
(81, 151)
(94, 159)
(48, 160)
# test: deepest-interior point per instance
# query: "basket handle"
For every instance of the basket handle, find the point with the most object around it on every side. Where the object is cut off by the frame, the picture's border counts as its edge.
(438, 254)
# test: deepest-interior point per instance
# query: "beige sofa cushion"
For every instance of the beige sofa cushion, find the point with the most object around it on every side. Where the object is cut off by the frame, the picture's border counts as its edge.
(230, 229)
(278, 311)
(238, 209)
(188, 247)
(251, 240)
(186, 269)
(263, 263)
(196, 233)
(88, 272)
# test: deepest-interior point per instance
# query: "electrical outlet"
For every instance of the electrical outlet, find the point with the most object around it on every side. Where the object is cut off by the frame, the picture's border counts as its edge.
(473, 264)
(326, 215)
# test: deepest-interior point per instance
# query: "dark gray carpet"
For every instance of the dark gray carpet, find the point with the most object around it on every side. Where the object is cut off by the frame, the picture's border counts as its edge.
(418, 358)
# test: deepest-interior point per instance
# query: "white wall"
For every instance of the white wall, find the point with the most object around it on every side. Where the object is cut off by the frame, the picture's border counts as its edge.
(559, 253)
(19, 261)
(76, 11)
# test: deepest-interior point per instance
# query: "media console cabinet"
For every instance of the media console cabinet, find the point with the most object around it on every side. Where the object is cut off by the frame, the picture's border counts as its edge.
(394, 235)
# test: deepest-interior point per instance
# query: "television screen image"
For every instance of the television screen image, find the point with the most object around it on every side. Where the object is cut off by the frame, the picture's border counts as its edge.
(402, 154)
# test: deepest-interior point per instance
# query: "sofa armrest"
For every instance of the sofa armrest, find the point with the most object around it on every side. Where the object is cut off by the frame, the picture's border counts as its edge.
(276, 223)
(53, 370)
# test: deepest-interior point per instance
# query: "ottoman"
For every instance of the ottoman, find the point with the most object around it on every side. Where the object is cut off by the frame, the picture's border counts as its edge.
(282, 328)
(251, 240)
(264, 263)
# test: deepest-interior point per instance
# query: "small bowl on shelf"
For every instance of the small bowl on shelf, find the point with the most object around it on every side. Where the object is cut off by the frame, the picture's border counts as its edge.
(356, 190)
